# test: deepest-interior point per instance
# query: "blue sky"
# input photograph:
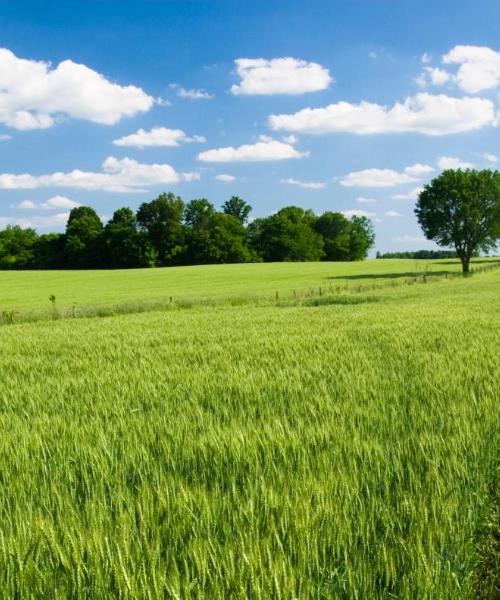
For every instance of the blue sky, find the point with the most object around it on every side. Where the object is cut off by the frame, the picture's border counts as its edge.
(329, 105)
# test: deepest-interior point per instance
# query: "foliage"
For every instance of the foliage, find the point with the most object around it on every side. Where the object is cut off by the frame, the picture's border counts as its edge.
(125, 246)
(462, 209)
(166, 232)
(161, 220)
(237, 207)
(17, 247)
(252, 452)
(287, 235)
(82, 247)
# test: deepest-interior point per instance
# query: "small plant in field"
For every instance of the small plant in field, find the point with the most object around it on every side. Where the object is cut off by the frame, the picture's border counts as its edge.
(52, 299)
(8, 316)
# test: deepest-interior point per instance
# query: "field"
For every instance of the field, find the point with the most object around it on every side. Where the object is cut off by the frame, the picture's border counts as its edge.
(340, 446)
(31, 289)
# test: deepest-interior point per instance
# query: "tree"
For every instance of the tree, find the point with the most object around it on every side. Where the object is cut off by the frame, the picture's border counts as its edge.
(462, 209)
(17, 247)
(287, 235)
(82, 248)
(125, 246)
(161, 220)
(335, 228)
(49, 251)
(362, 237)
(238, 208)
(222, 240)
(198, 212)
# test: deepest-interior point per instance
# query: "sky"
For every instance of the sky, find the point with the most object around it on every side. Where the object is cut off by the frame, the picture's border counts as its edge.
(333, 105)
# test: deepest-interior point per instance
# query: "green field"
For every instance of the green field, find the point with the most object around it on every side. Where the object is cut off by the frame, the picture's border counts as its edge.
(345, 446)
(31, 289)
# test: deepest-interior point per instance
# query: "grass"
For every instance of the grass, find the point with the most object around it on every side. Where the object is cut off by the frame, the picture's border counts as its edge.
(329, 449)
(30, 290)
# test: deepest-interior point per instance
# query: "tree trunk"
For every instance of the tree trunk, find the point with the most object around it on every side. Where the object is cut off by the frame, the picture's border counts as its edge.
(465, 264)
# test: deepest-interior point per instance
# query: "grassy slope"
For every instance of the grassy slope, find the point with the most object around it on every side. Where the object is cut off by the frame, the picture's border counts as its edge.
(267, 452)
(31, 289)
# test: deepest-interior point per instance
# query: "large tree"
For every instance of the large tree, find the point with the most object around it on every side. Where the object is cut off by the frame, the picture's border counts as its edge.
(17, 247)
(287, 235)
(83, 239)
(237, 207)
(461, 209)
(125, 246)
(161, 220)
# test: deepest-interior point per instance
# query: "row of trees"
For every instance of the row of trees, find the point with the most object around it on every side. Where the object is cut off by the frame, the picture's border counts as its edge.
(419, 254)
(168, 232)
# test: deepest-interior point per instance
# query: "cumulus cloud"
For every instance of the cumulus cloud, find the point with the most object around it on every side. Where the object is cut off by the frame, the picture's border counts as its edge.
(491, 158)
(418, 169)
(452, 162)
(434, 76)
(423, 113)
(117, 175)
(363, 200)
(279, 76)
(37, 222)
(266, 149)
(158, 136)
(193, 94)
(33, 94)
(376, 178)
(411, 195)
(355, 212)
(479, 67)
(225, 178)
(310, 185)
(393, 213)
(54, 203)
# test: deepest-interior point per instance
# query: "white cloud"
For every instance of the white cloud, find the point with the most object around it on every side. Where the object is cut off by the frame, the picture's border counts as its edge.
(412, 239)
(158, 136)
(5, 137)
(376, 178)
(224, 177)
(267, 149)
(357, 213)
(424, 113)
(117, 175)
(372, 55)
(426, 58)
(411, 195)
(393, 213)
(479, 67)
(418, 169)
(490, 157)
(452, 162)
(54, 203)
(24, 205)
(310, 185)
(279, 76)
(194, 94)
(434, 76)
(37, 222)
(363, 200)
(57, 202)
(33, 94)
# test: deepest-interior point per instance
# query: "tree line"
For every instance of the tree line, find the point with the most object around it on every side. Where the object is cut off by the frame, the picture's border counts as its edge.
(169, 232)
(421, 254)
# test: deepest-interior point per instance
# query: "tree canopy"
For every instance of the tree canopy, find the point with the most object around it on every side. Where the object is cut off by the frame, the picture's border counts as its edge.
(168, 232)
(461, 209)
